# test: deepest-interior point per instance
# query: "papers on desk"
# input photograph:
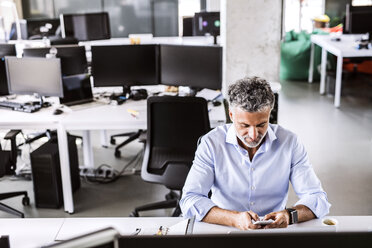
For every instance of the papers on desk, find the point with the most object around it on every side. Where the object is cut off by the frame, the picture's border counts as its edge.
(73, 227)
(183, 227)
(208, 94)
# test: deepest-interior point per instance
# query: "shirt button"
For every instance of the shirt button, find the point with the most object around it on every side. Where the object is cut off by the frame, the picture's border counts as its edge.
(252, 203)
(253, 188)
(252, 169)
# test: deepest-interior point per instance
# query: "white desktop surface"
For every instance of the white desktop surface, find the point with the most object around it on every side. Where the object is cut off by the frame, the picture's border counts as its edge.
(30, 233)
(107, 117)
(15, 119)
(34, 232)
(345, 48)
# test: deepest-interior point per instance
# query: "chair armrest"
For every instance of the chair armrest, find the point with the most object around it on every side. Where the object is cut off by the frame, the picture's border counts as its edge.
(12, 134)
(175, 175)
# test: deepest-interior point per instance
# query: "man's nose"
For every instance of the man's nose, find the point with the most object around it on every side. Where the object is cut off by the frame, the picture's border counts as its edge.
(252, 132)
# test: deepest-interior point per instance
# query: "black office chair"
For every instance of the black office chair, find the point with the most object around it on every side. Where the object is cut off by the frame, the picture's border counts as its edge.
(131, 136)
(136, 95)
(8, 161)
(174, 125)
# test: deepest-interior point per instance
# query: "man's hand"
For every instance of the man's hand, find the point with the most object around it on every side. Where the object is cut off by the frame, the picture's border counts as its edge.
(243, 220)
(281, 219)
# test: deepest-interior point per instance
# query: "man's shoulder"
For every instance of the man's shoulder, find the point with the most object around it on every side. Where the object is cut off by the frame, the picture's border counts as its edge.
(218, 133)
(282, 133)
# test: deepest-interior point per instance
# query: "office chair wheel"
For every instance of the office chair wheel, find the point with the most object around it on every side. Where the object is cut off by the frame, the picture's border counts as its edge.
(134, 214)
(117, 154)
(26, 201)
(113, 141)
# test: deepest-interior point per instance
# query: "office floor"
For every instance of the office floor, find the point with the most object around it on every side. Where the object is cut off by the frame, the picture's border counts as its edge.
(338, 141)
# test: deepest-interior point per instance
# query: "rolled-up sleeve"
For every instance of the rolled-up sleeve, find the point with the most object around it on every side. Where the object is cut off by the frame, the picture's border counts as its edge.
(306, 184)
(195, 201)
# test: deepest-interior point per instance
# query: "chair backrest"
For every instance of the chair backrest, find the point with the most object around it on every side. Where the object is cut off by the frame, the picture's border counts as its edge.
(174, 125)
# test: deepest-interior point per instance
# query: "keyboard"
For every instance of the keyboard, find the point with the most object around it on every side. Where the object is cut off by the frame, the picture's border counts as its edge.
(22, 107)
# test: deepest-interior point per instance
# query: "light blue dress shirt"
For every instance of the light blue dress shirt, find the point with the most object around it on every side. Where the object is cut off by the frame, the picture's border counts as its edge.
(261, 185)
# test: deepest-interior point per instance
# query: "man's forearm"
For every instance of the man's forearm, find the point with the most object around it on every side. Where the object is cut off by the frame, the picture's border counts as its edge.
(220, 216)
(304, 213)
(241, 220)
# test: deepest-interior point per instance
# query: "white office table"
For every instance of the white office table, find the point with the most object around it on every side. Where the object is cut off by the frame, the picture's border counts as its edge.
(25, 233)
(342, 49)
(99, 117)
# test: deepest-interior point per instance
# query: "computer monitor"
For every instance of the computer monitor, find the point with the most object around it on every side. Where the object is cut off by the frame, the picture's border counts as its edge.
(73, 58)
(253, 238)
(5, 50)
(195, 66)
(358, 20)
(40, 76)
(125, 65)
(38, 28)
(88, 26)
(207, 23)
(77, 89)
(13, 34)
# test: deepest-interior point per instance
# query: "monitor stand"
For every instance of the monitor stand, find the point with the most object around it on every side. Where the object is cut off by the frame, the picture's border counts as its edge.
(126, 90)
(122, 97)
(41, 103)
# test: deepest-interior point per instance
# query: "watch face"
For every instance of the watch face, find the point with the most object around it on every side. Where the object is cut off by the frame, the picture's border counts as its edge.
(294, 216)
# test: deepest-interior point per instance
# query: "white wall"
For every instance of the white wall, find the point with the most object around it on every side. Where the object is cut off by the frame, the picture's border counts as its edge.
(213, 5)
(250, 35)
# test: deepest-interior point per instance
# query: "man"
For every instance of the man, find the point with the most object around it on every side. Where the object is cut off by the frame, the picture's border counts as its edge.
(247, 166)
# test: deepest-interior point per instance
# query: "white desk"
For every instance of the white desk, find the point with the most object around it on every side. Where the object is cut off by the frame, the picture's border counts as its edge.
(342, 49)
(24, 233)
(103, 117)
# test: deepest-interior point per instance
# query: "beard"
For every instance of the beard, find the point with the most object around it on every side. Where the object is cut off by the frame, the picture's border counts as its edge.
(253, 143)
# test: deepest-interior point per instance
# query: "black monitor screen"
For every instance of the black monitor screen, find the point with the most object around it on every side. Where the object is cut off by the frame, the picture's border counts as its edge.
(254, 239)
(34, 75)
(125, 65)
(37, 28)
(361, 22)
(5, 50)
(73, 58)
(194, 66)
(76, 89)
(207, 23)
(89, 26)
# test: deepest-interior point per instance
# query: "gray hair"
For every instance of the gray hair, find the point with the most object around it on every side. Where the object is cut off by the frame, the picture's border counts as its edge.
(252, 94)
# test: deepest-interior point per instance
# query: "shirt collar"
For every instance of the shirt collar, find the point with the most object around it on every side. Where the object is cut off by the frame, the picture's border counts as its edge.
(232, 139)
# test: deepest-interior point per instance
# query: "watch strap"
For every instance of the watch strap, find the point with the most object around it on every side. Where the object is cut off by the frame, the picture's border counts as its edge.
(293, 218)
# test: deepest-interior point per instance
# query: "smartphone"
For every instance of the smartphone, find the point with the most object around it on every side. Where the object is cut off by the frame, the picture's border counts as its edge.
(262, 222)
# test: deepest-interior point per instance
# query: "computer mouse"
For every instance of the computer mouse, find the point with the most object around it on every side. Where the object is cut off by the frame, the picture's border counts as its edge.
(216, 103)
(58, 111)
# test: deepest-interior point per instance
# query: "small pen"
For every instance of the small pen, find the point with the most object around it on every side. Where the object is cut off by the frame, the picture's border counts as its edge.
(138, 230)
(160, 231)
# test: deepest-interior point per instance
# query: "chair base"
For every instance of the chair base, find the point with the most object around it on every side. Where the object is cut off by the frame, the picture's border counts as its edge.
(132, 136)
(172, 201)
(159, 205)
(10, 210)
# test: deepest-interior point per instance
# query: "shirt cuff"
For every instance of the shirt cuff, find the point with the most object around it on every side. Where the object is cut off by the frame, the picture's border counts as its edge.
(202, 207)
(318, 204)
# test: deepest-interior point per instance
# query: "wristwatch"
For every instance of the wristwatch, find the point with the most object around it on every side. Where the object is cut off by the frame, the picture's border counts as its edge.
(293, 218)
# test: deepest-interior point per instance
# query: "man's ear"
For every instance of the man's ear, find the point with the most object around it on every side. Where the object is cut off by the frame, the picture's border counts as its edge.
(231, 115)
